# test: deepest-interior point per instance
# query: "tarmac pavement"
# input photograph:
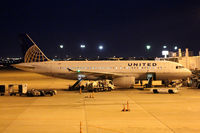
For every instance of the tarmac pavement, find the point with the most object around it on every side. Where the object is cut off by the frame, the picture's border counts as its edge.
(149, 113)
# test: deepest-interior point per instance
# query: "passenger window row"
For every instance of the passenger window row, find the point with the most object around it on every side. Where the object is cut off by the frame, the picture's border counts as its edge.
(76, 68)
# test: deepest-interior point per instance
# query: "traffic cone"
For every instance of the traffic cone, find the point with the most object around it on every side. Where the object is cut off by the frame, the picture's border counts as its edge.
(93, 94)
(123, 108)
(128, 109)
(81, 127)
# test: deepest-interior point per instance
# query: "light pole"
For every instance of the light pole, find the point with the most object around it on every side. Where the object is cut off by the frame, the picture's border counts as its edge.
(175, 47)
(148, 47)
(100, 48)
(61, 50)
(82, 47)
(61, 46)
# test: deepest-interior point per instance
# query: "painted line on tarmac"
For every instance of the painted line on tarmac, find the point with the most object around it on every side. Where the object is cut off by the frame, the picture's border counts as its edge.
(84, 107)
(151, 114)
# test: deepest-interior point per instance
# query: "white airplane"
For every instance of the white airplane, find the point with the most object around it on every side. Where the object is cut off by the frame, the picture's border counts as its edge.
(122, 73)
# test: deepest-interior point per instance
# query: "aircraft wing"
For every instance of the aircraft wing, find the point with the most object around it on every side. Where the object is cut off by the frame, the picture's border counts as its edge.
(97, 74)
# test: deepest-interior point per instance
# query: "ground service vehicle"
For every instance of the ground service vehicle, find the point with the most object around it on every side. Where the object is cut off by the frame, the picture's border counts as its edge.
(100, 85)
(164, 89)
(23, 90)
(143, 83)
(157, 86)
(43, 92)
(13, 89)
(170, 89)
(195, 80)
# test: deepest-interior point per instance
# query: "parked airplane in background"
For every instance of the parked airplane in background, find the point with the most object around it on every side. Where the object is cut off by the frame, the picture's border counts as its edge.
(122, 73)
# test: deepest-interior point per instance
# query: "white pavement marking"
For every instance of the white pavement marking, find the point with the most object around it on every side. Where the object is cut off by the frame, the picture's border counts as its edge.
(151, 114)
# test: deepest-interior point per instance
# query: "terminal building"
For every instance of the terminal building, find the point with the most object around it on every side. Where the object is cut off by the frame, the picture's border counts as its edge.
(186, 58)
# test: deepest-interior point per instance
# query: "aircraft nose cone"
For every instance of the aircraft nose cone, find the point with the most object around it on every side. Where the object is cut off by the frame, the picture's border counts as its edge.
(188, 73)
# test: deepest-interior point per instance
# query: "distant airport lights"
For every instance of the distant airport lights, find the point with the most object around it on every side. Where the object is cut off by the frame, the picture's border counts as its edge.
(100, 47)
(82, 46)
(175, 47)
(164, 46)
(61, 46)
(148, 47)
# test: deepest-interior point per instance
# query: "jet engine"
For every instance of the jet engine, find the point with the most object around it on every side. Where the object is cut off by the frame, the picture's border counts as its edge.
(124, 82)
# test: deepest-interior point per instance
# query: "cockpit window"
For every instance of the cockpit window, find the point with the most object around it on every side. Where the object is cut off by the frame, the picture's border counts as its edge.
(179, 67)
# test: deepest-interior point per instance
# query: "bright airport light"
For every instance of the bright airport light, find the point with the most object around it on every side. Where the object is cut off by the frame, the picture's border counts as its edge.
(148, 47)
(175, 48)
(82, 45)
(61, 46)
(164, 46)
(100, 47)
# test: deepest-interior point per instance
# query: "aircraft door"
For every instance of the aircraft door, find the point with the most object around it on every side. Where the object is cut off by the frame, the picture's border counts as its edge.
(151, 75)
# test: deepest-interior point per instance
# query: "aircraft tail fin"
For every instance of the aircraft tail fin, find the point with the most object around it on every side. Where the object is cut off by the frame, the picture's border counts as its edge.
(30, 50)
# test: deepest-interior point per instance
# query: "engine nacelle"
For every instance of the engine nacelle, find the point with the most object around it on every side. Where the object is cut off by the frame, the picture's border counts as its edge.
(124, 82)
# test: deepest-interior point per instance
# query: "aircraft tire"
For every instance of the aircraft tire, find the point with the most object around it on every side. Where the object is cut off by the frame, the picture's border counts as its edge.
(51, 93)
(155, 91)
(42, 93)
(170, 91)
(198, 86)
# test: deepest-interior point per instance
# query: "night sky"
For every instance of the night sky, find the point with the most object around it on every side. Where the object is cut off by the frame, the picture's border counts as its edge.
(123, 27)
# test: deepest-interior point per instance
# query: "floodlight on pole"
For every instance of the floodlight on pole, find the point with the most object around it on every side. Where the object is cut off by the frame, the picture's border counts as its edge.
(82, 46)
(100, 47)
(164, 46)
(175, 47)
(61, 46)
(148, 47)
